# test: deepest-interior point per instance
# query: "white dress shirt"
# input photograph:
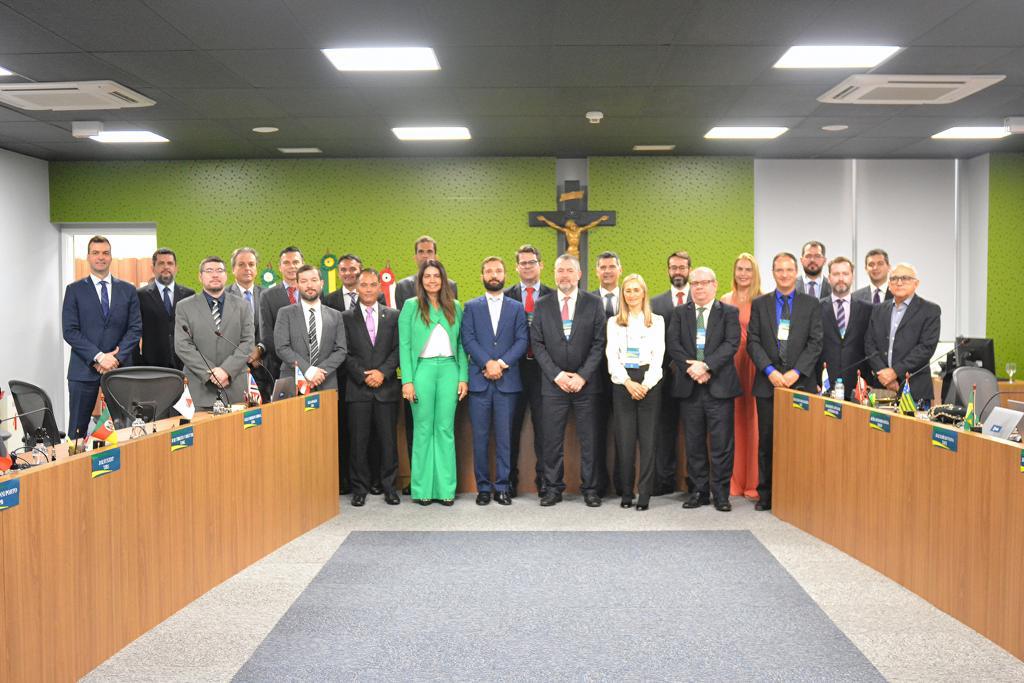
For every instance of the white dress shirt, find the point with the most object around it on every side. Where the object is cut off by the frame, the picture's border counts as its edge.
(348, 295)
(572, 301)
(315, 307)
(675, 295)
(494, 302)
(603, 293)
(650, 341)
(160, 289)
(110, 298)
(880, 290)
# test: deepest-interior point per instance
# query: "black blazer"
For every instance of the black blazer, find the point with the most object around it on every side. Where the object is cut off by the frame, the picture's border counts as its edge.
(336, 300)
(916, 339)
(844, 352)
(158, 327)
(723, 340)
(663, 305)
(405, 289)
(802, 349)
(362, 355)
(582, 353)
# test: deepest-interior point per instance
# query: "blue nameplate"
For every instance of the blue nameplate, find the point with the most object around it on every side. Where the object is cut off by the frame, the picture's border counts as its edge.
(834, 409)
(944, 438)
(312, 402)
(182, 438)
(252, 418)
(879, 421)
(801, 402)
(106, 462)
(10, 494)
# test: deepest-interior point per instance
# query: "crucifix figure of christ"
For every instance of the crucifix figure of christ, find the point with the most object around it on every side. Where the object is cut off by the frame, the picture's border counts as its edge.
(572, 219)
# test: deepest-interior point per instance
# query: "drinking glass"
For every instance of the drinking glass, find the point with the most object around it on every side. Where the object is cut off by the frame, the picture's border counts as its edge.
(1011, 370)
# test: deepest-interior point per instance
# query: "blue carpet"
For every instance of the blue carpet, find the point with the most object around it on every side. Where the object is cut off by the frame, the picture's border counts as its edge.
(674, 605)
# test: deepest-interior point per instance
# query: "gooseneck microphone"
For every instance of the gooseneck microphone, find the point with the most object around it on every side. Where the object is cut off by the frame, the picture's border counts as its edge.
(257, 364)
(213, 380)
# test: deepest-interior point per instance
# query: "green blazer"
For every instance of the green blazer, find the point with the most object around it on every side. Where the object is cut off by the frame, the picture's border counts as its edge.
(413, 336)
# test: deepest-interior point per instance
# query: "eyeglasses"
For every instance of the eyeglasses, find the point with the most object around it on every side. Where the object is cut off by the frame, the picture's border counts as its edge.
(900, 279)
(702, 283)
(531, 262)
(213, 271)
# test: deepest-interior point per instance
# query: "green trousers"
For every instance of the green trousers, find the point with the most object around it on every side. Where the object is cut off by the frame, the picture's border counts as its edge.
(433, 417)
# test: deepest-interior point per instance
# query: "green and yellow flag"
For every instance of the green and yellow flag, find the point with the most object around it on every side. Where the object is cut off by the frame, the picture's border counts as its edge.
(970, 418)
(906, 404)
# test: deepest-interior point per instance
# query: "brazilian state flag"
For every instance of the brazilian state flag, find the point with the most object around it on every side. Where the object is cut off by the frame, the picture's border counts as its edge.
(907, 405)
(970, 418)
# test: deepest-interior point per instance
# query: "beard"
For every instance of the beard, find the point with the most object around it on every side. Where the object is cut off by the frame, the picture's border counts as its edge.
(494, 285)
(814, 270)
(679, 281)
(165, 278)
(310, 296)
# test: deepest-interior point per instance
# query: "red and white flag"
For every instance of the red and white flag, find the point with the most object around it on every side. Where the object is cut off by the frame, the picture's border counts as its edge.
(301, 385)
(185, 407)
(252, 394)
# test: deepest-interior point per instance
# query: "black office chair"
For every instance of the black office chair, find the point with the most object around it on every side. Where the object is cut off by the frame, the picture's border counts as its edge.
(987, 396)
(37, 419)
(145, 392)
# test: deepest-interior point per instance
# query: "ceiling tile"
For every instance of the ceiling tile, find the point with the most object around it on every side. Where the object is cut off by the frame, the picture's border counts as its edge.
(522, 23)
(495, 66)
(605, 66)
(338, 23)
(185, 69)
(741, 22)
(227, 103)
(20, 34)
(716, 65)
(878, 22)
(942, 60)
(232, 24)
(34, 131)
(68, 66)
(615, 23)
(983, 22)
(711, 101)
(280, 68)
(781, 100)
(319, 101)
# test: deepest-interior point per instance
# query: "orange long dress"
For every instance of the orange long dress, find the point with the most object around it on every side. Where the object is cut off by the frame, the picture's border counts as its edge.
(744, 469)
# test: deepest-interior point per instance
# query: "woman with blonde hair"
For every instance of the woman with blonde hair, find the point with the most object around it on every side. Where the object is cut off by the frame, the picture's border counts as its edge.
(635, 349)
(746, 286)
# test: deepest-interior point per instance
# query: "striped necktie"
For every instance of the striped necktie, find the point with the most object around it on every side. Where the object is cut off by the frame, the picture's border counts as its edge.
(841, 317)
(215, 310)
(314, 346)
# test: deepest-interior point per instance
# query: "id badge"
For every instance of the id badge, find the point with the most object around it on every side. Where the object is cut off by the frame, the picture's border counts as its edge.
(567, 328)
(632, 357)
(702, 337)
(784, 330)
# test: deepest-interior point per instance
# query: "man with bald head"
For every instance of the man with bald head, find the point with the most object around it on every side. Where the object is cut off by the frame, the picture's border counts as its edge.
(902, 336)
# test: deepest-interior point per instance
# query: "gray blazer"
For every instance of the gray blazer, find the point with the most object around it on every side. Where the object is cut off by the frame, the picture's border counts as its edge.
(864, 294)
(291, 339)
(228, 352)
(257, 291)
(823, 292)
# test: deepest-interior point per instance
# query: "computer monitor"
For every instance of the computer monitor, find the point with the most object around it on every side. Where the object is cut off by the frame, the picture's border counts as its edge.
(976, 351)
(145, 392)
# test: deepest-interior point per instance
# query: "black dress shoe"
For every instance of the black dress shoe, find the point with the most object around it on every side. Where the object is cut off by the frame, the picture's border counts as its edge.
(550, 499)
(376, 490)
(483, 498)
(423, 501)
(723, 506)
(503, 498)
(448, 502)
(763, 505)
(358, 500)
(695, 500)
(626, 503)
(512, 491)
(592, 500)
(391, 497)
(640, 507)
(407, 491)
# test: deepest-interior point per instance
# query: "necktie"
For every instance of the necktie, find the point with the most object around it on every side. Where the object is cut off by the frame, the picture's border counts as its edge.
(215, 311)
(168, 306)
(609, 307)
(248, 298)
(528, 305)
(291, 295)
(565, 308)
(104, 299)
(841, 317)
(679, 299)
(700, 328)
(314, 347)
(351, 299)
(878, 296)
(371, 326)
(812, 288)
(786, 314)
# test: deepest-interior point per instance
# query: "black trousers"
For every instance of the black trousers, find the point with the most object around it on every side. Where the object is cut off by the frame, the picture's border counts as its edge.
(530, 396)
(765, 429)
(604, 439)
(705, 415)
(344, 439)
(372, 423)
(407, 413)
(556, 416)
(666, 455)
(635, 421)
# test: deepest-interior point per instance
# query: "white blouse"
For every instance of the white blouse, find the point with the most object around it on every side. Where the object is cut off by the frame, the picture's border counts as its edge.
(649, 343)
(438, 345)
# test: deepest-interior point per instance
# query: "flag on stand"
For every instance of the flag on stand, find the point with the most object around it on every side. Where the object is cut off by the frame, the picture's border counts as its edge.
(105, 428)
(301, 385)
(252, 394)
(860, 392)
(185, 407)
(387, 284)
(825, 384)
(906, 403)
(971, 419)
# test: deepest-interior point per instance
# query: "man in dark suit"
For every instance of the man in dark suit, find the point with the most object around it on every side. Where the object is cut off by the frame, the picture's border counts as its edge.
(876, 265)
(102, 324)
(568, 338)
(844, 322)
(528, 292)
(784, 341)
(157, 302)
(346, 296)
(310, 336)
(703, 338)
(274, 299)
(372, 390)
(494, 337)
(608, 268)
(667, 451)
(902, 336)
(244, 264)
(813, 282)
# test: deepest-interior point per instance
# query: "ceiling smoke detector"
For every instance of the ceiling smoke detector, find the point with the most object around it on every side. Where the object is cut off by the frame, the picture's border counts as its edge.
(595, 116)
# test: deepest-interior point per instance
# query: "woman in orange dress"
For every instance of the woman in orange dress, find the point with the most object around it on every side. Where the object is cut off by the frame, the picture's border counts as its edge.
(746, 286)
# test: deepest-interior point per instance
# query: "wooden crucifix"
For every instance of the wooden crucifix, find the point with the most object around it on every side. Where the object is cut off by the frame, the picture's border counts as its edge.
(572, 220)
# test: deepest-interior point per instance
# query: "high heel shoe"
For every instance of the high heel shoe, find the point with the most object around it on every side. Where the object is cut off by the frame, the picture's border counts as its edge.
(424, 501)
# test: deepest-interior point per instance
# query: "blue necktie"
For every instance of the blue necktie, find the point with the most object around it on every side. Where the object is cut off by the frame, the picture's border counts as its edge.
(168, 306)
(104, 299)
(248, 298)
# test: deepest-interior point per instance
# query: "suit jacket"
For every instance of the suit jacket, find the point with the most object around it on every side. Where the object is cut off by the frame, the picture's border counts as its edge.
(337, 298)
(405, 289)
(824, 291)
(86, 331)
(842, 353)
(229, 352)
(272, 300)
(582, 353)
(864, 294)
(362, 355)
(914, 345)
(664, 306)
(802, 349)
(722, 327)
(257, 295)
(291, 341)
(413, 335)
(158, 327)
(482, 344)
(516, 292)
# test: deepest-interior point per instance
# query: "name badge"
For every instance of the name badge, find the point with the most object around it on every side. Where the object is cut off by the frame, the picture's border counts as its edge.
(567, 328)
(784, 330)
(702, 337)
(632, 357)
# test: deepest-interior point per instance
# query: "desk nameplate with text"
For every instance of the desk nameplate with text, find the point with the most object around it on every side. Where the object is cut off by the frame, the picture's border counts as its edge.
(801, 402)
(106, 462)
(834, 409)
(946, 439)
(182, 438)
(252, 418)
(312, 402)
(880, 421)
(10, 494)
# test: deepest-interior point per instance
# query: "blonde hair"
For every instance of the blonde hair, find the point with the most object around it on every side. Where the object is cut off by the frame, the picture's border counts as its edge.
(755, 282)
(622, 318)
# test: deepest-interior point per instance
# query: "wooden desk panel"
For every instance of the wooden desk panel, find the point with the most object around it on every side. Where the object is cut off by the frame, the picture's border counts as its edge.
(948, 526)
(87, 565)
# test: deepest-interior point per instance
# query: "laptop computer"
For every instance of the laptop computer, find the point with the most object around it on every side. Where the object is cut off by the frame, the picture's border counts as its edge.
(283, 388)
(1001, 422)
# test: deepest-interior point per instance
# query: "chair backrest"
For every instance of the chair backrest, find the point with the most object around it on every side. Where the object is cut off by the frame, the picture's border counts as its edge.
(144, 390)
(987, 387)
(38, 421)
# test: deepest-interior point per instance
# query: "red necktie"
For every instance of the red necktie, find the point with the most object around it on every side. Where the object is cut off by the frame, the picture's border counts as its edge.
(291, 295)
(528, 305)
(679, 299)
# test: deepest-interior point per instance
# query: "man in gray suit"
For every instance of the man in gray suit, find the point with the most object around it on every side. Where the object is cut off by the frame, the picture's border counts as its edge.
(274, 299)
(310, 336)
(244, 266)
(213, 337)
(813, 281)
(876, 264)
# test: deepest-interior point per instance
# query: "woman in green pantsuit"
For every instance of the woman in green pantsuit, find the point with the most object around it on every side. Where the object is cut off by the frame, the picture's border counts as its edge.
(435, 373)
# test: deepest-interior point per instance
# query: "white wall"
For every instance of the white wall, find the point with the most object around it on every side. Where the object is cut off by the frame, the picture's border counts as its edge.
(973, 246)
(31, 343)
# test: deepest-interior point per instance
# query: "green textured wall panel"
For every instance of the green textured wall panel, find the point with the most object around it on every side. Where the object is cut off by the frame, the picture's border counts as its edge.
(1005, 250)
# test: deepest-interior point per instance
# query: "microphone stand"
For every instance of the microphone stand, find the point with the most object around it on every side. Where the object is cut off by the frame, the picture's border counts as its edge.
(222, 398)
(257, 364)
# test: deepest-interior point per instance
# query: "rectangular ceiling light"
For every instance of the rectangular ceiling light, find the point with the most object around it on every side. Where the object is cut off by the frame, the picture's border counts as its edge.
(972, 133)
(835, 56)
(383, 58)
(653, 148)
(432, 133)
(300, 150)
(128, 136)
(745, 132)
(5, 72)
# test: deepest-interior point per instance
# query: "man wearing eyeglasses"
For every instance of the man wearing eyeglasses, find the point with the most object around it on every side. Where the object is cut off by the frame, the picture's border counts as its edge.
(902, 336)
(813, 282)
